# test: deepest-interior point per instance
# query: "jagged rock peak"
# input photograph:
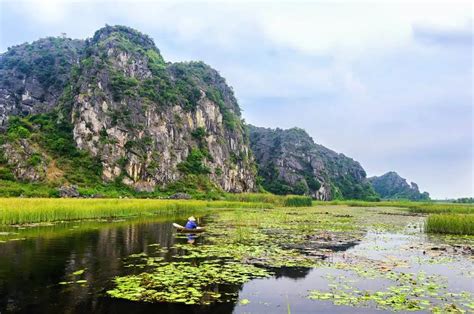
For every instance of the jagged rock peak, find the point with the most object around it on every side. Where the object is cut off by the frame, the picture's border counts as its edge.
(392, 186)
(290, 162)
(119, 32)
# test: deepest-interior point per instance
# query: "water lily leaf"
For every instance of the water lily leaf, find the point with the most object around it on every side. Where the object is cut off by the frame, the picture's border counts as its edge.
(244, 301)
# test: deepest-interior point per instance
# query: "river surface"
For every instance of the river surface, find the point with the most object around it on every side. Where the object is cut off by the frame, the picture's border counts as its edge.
(35, 260)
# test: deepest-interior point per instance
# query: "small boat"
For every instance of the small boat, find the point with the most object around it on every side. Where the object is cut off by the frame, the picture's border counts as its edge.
(183, 229)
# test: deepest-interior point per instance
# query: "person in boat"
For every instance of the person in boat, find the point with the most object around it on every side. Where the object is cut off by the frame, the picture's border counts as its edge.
(191, 224)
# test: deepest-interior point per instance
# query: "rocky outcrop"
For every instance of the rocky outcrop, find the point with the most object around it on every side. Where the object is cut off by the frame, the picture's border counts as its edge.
(24, 160)
(68, 191)
(290, 162)
(180, 196)
(146, 117)
(392, 186)
(33, 76)
(149, 123)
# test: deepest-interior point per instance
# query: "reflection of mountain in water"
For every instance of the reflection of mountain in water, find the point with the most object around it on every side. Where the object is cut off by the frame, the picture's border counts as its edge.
(30, 270)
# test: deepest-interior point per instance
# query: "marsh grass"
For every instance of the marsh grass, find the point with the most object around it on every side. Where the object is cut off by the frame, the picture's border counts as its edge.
(450, 224)
(30, 210)
(298, 201)
(448, 218)
(278, 200)
(415, 207)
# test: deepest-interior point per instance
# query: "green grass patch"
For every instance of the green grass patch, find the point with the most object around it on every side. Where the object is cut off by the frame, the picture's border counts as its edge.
(9, 188)
(450, 224)
(29, 210)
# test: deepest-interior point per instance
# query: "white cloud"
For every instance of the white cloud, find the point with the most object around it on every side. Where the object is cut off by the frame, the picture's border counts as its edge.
(359, 27)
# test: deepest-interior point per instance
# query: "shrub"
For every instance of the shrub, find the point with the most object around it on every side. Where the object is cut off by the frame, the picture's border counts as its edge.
(199, 133)
(6, 174)
(313, 184)
(54, 136)
(122, 86)
(194, 163)
(17, 132)
(34, 160)
(199, 186)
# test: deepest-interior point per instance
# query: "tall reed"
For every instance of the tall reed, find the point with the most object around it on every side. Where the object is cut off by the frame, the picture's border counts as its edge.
(279, 200)
(450, 224)
(28, 210)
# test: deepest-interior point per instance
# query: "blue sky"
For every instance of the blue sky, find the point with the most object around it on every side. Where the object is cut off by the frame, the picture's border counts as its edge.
(388, 83)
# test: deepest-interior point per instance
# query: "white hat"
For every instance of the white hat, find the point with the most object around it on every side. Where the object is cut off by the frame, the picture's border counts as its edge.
(192, 218)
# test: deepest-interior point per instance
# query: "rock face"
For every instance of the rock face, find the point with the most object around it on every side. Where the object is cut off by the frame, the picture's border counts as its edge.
(33, 76)
(392, 186)
(290, 162)
(147, 122)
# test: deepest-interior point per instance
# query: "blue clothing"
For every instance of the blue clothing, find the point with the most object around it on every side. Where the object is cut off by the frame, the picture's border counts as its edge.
(191, 225)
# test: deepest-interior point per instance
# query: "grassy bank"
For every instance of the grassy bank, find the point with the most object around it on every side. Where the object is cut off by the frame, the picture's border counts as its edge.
(450, 224)
(29, 210)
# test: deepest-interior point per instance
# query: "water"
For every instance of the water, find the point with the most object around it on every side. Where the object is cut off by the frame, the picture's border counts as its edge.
(32, 266)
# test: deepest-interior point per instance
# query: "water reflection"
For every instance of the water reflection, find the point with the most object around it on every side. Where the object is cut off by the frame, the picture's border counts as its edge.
(30, 270)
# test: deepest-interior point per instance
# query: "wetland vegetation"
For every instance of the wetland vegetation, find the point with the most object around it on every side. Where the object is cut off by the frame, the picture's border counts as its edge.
(341, 256)
(450, 224)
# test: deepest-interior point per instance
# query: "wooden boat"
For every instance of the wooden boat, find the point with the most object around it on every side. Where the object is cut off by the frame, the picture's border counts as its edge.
(183, 229)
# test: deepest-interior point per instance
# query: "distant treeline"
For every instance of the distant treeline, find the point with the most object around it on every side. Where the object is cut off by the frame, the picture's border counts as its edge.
(464, 200)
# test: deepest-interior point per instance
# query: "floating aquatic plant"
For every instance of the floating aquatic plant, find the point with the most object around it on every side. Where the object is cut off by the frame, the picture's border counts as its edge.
(182, 282)
(409, 292)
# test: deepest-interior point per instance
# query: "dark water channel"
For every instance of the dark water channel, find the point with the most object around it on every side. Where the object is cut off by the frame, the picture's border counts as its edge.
(33, 265)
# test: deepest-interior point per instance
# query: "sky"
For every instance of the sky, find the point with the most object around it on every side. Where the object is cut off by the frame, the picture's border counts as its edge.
(388, 83)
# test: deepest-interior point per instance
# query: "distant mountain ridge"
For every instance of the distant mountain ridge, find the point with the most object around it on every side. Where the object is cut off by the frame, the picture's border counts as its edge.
(290, 162)
(392, 186)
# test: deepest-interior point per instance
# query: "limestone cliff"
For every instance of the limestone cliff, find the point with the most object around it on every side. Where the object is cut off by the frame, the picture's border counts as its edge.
(290, 162)
(392, 186)
(143, 122)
